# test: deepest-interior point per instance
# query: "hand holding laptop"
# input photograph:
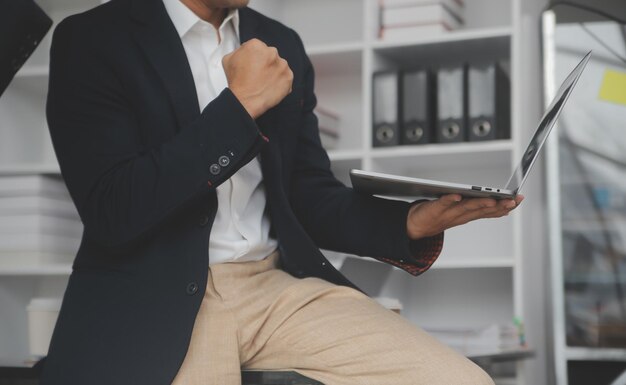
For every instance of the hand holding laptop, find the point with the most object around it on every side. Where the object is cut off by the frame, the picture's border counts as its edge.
(428, 218)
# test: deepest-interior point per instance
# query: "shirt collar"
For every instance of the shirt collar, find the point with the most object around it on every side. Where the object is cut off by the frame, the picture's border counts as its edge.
(184, 18)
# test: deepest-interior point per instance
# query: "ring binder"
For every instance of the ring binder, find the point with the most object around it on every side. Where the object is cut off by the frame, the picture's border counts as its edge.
(416, 107)
(488, 102)
(451, 104)
(385, 109)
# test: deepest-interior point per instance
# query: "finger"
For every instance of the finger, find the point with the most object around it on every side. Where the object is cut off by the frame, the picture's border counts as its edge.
(507, 204)
(449, 200)
(489, 212)
(476, 204)
(226, 59)
(273, 54)
(451, 212)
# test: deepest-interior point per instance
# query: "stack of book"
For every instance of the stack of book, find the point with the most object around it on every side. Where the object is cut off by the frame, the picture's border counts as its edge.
(328, 122)
(411, 19)
(470, 341)
(38, 220)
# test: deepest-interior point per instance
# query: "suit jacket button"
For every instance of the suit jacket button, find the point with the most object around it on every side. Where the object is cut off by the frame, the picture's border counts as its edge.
(192, 288)
(203, 221)
(223, 161)
(214, 169)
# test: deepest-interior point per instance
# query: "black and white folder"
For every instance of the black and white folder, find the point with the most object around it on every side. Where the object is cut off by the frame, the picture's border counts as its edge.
(416, 107)
(451, 104)
(488, 102)
(385, 109)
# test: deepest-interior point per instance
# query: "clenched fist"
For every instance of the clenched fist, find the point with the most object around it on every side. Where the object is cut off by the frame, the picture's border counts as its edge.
(258, 76)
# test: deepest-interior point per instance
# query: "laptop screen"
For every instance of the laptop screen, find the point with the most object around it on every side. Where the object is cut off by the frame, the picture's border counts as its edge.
(547, 122)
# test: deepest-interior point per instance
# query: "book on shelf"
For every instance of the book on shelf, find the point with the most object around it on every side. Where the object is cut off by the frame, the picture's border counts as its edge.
(39, 185)
(420, 15)
(411, 19)
(453, 4)
(21, 205)
(41, 224)
(413, 32)
(34, 242)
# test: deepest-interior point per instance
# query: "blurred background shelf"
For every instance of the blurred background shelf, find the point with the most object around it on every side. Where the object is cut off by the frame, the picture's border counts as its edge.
(595, 354)
(39, 270)
(29, 168)
(481, 39)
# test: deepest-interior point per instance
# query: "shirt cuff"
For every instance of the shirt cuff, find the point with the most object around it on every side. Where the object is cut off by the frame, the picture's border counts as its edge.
(424, 252)
(416, 255)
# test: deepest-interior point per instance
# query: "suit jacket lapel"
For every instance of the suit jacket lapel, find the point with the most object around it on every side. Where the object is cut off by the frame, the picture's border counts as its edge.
(156, 35)
(248, 25)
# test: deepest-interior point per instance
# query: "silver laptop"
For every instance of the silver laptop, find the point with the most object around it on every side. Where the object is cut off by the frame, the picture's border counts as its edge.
(393, 185)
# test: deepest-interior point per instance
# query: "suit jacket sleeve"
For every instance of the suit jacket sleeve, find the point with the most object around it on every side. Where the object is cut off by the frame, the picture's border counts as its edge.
(122, 190)
(337, 217)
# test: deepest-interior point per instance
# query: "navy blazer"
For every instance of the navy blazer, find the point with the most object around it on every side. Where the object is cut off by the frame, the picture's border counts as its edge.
(139, 159)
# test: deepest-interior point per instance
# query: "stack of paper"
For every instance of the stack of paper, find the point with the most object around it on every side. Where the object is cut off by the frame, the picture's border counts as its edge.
(412, 19)
(491, 338)
(328, 122)
(38, 220)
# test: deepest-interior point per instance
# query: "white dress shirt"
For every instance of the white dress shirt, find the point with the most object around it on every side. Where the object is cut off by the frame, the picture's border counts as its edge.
(240, 231)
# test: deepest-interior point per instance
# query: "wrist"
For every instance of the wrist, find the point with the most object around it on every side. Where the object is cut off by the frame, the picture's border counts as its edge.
(250, 103)
(413, 231)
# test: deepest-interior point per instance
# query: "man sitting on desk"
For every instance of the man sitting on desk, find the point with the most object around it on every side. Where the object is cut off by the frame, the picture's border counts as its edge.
(186, 136)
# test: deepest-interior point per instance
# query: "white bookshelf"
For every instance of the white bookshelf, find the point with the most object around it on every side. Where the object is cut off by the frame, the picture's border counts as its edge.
(477, 279)
(479, 276)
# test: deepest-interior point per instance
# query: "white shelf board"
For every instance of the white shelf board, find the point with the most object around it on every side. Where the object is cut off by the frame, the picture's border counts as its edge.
(33, 71)
(461, 35)
(463, 46)
(29, 168)
(442, 149)
(595, 354)
(334, 48)
(436, 161)
(341, 155)
(34, 270)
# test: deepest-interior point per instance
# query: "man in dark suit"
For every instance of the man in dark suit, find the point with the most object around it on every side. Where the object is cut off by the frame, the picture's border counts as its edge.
(154, 137)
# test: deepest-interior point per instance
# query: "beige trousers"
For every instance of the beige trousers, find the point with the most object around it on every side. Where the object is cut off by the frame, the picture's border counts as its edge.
(256, 316)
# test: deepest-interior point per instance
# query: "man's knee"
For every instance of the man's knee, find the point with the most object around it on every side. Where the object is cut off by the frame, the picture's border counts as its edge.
(457, 371)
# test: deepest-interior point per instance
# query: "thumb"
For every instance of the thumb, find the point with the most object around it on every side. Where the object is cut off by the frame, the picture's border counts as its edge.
(226, 59)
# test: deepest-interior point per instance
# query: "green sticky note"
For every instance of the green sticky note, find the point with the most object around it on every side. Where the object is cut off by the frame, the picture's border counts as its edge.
(613, 87)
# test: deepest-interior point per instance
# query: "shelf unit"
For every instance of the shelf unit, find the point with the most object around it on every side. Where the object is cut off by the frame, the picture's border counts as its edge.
(477, 279)
(588, 314)
(493, 251)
